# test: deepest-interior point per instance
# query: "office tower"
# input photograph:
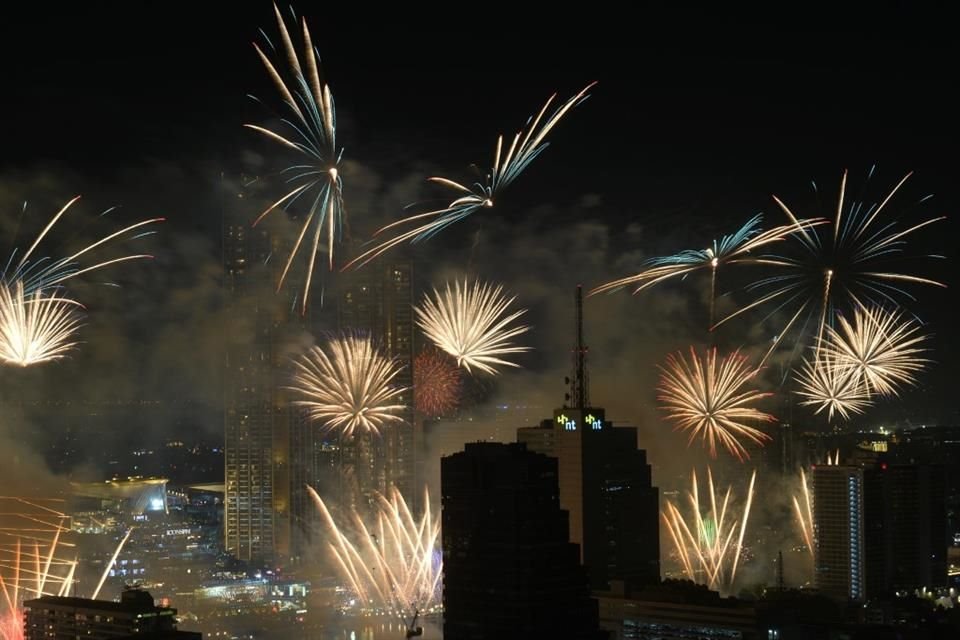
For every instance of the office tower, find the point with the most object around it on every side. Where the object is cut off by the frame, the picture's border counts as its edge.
(838, 531)
(509, 569)
(257, 424)
(905, 525)
(55, 618)
(605, 483)
(378, 299)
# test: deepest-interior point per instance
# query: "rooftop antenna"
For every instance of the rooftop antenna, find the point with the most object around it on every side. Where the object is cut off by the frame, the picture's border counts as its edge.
(580, 384)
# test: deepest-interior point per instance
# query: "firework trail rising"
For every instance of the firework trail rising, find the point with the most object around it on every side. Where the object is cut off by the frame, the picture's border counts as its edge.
(436, 383)
(311, 131)
(349, 385)
(43, 273)
(804, 513)
(852, 265)
(707, 398)
(832, 384)
(395, 566)
(527, 144)
(471, 323)
(31, 565)
(731, 249)
(710, 540)
(37, 327)
(113, 559)
(882, 347)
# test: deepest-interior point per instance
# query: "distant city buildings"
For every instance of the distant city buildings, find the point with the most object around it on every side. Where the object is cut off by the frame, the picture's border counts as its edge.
(509, 568)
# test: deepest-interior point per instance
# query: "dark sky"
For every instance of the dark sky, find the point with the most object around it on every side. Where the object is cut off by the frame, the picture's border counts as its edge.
(694, 123)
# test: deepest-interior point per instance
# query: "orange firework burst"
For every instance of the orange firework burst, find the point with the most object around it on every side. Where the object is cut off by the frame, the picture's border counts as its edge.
(436, 383)
(707, 399)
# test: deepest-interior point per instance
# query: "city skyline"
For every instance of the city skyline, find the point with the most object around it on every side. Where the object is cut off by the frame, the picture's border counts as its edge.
(756, 221)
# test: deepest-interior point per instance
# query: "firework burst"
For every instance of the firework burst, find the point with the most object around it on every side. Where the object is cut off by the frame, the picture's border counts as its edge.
(508, 164)
(37, 327)
(311, 126)
(349, 385)
(436, 383)
(852, 265)
(881, 346)
(831, 384)
(471, 323)
(709, 542)
(730, 249)
(43, 273)
(707, 398)
(395, 565)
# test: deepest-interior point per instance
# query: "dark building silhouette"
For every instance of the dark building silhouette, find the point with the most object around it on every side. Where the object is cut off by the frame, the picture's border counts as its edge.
(509, 568)
(605, 484)
(905, 524)
(58, 618)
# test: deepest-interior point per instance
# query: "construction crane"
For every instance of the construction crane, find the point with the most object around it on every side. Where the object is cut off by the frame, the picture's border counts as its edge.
(413, 630)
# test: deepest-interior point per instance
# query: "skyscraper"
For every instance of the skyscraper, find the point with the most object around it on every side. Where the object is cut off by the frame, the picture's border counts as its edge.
(509, 569)
(257, 420)
(605, 483)
(838, 529)
(905, 523)
(250, 403)
(378, 299)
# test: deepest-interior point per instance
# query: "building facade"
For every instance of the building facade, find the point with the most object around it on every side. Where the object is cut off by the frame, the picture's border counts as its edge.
(838, 531)
(509, 568)
(63, 618)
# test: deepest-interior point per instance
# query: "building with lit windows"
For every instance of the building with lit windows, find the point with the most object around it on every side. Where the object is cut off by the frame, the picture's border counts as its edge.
(838, 531)
(60, 618)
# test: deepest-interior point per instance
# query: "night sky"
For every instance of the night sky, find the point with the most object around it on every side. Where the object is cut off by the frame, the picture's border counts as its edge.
(690, 130)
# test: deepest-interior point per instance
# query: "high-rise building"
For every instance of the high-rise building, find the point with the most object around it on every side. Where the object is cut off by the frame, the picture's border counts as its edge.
(509, 568)
(250, 404)
(257, 420)
(905, 523)
(58, 618)
(605, 484)
(838, 530)
(378, 300)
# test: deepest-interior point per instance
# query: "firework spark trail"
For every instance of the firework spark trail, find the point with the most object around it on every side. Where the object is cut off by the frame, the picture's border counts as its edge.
(33, 569)
(527, 144)
(829, 383)
(436, 383)
(312, 125)
(850, 267)
(707, 399)
(44, 272)
(35, 328)
(709, 543)
(730, 249)
(881, 346)
(396, 566)
(805, 514)
(472, 324)
(113, 559)
(349, 385)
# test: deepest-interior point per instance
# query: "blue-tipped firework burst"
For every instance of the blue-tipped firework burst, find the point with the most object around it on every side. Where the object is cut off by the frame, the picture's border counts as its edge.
(508, 164)
(311, 131)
